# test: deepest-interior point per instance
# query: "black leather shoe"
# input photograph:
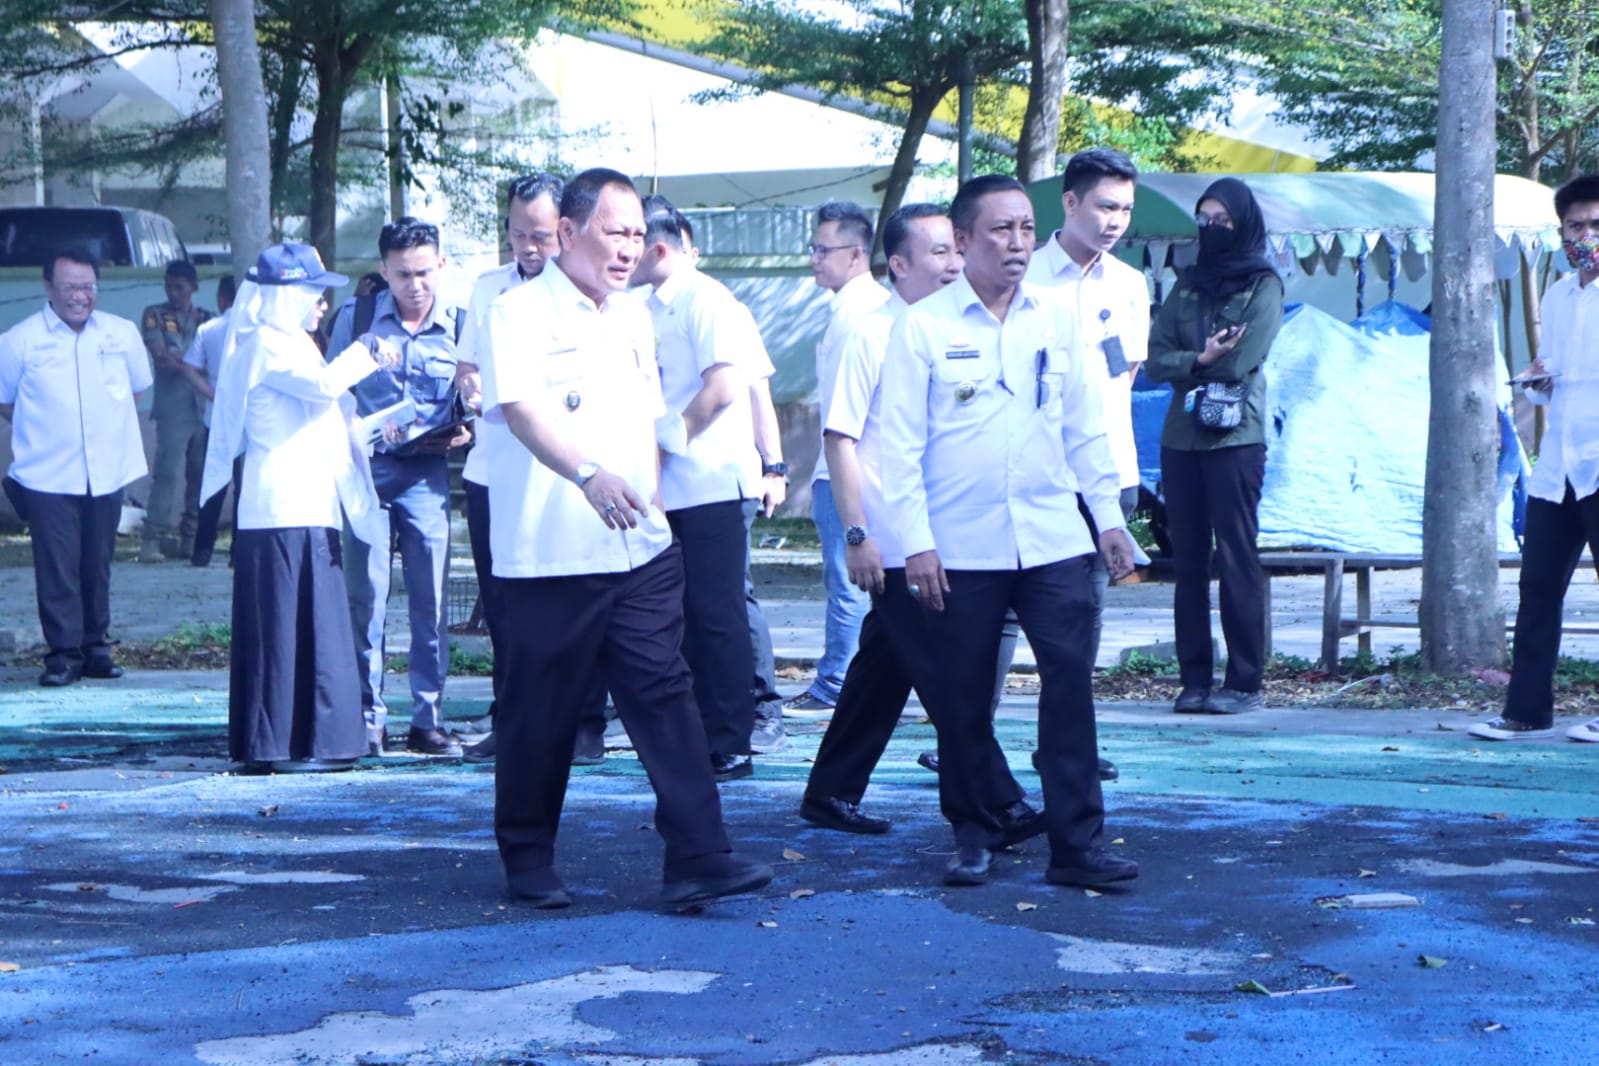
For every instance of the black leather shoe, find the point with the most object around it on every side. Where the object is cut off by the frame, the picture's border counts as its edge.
(929, 760)
(1019, 822)
(483, 751)
(103, 669)
(589, 750)
(830, 812)
(312, 766)
(731, 767)
(970, 866)
(712, 877)
(1192, 700)
(1091, 868)
(60, 676)
(540, 887)
(431, 742)
(1108, 771)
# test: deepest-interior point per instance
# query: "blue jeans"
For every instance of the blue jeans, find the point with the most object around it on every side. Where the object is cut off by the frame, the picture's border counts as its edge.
(415, 494)
(846, 604)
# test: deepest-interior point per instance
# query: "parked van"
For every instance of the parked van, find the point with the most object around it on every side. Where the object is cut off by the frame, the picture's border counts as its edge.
(117, 236)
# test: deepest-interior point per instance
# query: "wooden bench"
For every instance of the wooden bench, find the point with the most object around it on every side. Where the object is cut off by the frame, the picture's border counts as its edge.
(1335, 625)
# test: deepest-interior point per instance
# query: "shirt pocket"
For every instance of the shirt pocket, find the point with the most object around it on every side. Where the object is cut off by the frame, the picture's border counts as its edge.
(434, 380)
(113, 366)
(959, 390)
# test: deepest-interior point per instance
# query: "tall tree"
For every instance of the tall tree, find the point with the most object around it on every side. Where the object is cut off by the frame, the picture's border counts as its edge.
(1462, 623)
(1048, 32)
(908, 54)
(244, 117)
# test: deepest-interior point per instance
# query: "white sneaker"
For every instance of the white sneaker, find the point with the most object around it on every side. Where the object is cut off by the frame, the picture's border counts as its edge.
(1510, 729)
(1588, 731)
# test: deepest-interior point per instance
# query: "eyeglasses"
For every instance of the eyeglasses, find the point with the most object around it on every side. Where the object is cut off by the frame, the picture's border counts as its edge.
(78, 290)
(821, 251)
(1221, 219)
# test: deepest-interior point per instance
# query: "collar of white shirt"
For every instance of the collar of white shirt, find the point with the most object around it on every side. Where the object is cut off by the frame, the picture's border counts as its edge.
(966, 299)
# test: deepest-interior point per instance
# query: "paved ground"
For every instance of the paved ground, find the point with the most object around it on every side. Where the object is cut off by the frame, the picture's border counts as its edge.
(154, 908)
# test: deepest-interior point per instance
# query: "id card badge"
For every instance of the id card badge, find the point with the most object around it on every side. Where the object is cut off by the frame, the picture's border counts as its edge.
(1115, 358)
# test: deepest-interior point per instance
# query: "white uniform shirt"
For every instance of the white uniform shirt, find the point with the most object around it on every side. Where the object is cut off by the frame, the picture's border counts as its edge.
(1111, 299)
(859, 296)
(74, 430)
(489, 438)
(700, 324)
(205, 352)
(856, 412)
(973, 465)
(1569, 348)
(297, 461)
(590, 372)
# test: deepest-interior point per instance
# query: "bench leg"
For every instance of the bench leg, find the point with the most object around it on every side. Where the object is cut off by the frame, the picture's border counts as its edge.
(1332, 612)
(1363, 606)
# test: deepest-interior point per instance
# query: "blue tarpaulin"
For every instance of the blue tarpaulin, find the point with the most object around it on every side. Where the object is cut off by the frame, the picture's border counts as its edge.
(1346, 434)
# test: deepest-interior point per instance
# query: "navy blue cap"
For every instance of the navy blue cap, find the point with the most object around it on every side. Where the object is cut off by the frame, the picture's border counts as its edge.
(293, 264)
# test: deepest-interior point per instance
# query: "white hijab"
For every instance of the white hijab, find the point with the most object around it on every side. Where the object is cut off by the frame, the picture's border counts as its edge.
(274, 317)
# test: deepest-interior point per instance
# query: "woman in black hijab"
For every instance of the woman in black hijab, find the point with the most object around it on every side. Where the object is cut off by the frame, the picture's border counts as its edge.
(1209, 342)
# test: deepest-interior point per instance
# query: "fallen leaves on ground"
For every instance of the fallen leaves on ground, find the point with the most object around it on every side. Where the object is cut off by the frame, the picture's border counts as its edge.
(1431, 962)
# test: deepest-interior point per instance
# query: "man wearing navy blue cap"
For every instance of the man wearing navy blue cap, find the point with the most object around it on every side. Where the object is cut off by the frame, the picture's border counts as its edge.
(410, 473)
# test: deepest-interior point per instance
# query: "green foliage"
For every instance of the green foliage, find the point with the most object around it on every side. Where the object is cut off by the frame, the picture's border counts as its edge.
(191, 637)
(1140, 664)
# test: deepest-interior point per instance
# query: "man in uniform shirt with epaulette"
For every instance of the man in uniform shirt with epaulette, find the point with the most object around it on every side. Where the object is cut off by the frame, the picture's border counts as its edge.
(590, 577)
(410, 474)
(990, 430)
(173, 508)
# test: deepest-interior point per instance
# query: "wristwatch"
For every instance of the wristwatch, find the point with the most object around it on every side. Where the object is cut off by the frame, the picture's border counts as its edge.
(855, 536)
(585, 471)
(779, 468)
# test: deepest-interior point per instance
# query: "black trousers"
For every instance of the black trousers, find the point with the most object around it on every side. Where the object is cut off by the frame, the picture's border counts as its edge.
(488, 588)
(627, 627)
(1216, 495)
(892, 656)
(73, 540)
(1055, 605)
(716, 633)
(205, 530)
(1556, 533)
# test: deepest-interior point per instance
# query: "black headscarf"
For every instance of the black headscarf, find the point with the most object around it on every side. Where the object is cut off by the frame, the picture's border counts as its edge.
(1231, 259)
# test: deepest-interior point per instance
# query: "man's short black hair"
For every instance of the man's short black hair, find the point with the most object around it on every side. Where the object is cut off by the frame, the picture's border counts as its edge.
(530, 187)
(81, 256)
(227, 287)
(686, 224)
(963, 209)
(897, 227)
(1093, 165)
(663, 222)
(1583, 189)
(854, 224)
(406, 233)
(582, 193)
(182, 268)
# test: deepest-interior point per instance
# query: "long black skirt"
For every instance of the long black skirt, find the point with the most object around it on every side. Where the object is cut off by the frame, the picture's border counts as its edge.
(295, 692)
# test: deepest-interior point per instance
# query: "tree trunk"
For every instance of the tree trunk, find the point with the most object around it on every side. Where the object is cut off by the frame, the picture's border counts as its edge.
(244, 123)
(1048, 23)
(326, 129)
(285, 103)
(923, 103)
(1462, 622)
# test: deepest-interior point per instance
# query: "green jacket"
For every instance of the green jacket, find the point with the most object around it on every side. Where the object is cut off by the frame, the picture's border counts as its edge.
(1178, 336)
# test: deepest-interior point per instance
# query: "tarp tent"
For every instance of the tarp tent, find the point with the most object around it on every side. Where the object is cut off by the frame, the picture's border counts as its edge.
(1346, 440)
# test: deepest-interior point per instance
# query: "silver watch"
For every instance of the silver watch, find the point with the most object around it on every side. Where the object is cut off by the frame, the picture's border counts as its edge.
(855, 536)
(585, 471)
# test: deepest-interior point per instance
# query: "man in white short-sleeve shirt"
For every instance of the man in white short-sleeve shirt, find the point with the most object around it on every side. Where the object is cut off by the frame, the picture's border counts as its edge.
(991, 428)
(589, 576)
(841, 257)
(201, 365)
(709, 351)
(69, 378)
(532, 212)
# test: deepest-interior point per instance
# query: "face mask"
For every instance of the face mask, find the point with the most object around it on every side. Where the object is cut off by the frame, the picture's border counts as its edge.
(1216, 241)
(1583, 253)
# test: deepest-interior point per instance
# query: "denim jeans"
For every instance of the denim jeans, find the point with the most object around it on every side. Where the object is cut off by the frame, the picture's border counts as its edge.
(846, 604)
(415, 494)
